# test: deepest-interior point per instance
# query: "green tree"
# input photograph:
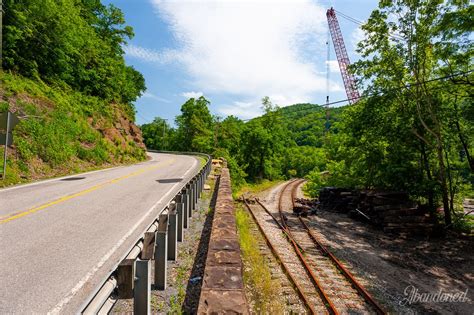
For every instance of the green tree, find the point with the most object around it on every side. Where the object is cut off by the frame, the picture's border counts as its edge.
(194, 131)
(77, 43)
(157, 134)
(265, 142)
(406, 133)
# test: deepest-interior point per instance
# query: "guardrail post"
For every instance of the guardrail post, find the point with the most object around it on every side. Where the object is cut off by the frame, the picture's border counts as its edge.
(180, 213)
(172, 233)
(203, 179)
(199, 185)
(186, 206)
(142, 291)
(196, 193)
(161, 252)
(192, 198)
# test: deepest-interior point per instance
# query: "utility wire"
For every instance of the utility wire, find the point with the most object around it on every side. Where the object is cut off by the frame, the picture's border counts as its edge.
(405, 86)
(360, 23)
(349, 17)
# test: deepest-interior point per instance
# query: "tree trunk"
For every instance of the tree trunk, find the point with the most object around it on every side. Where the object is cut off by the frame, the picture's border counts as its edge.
(450, 181)
(444, 186)
(426, 166)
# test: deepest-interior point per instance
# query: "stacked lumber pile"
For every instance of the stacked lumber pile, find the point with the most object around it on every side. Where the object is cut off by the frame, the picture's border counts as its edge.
(391, 211)
(395, 213)
(337, 199)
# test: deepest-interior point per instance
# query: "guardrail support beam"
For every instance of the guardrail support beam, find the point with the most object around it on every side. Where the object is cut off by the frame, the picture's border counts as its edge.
(142, 291)
(125, 278)
(186, 206)
(161, 252)
(180, 216)
(148, 246)
(192, 198)
(198, 186)
(172, 233)
(196, 193)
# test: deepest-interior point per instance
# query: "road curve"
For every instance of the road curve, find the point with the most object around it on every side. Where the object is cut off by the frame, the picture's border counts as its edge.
(60, 238)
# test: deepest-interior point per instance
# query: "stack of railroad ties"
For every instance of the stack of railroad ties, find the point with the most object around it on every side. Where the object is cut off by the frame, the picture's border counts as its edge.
(391, 211)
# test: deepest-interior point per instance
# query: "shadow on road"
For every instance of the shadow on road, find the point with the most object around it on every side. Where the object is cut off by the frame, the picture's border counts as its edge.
(169, 180)
(71, 179)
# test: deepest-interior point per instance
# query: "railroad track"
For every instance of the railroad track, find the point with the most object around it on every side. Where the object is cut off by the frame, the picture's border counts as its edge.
(321, 280)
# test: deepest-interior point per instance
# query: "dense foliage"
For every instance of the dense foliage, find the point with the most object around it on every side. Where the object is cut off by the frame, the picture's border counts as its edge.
(282, 143)
(72, 42)
(413, 130)
(65, 76)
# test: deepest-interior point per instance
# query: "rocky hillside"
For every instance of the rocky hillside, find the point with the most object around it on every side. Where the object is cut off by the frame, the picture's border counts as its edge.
(63, 131)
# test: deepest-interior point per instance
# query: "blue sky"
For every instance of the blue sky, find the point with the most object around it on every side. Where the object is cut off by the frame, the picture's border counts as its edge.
(235, 52)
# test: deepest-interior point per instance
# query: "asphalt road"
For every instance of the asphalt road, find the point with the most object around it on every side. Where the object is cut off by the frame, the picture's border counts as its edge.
(60, 238)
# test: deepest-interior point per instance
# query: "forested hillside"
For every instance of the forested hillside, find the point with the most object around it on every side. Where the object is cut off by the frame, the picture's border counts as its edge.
(65, 77)
(283, 143)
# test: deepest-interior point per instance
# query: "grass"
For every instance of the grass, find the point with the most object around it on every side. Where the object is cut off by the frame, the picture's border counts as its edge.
(202, 160)
(177, 300)
(156, 304)
(62, 131)
(257, 273)
(255, 188)
(464, 224)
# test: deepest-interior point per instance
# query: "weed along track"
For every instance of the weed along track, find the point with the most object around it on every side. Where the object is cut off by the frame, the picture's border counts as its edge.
(322, 282)
(284, 253)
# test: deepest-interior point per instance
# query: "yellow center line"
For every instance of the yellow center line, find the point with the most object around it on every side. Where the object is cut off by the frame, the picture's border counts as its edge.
(81, 193)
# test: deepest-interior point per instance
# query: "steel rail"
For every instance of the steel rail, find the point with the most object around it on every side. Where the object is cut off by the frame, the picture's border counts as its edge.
(294, 190)
(347, 274)
(280, 260)
(327, 301)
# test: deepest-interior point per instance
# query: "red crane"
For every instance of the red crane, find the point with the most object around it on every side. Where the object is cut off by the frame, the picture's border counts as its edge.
(342, 57)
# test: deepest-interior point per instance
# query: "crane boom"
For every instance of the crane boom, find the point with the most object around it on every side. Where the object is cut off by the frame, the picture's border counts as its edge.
(342, 57)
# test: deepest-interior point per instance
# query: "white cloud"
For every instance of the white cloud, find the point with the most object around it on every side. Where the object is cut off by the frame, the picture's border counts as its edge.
(243, 110)
(192, 94)
(246, 48)
(155, 97)
(357, 36)
(333, 66)
(334, 87)
(151, 55)
(253, 107)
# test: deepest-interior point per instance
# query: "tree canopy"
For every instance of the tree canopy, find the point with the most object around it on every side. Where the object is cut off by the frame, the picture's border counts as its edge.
(77, 43)
(412, 129)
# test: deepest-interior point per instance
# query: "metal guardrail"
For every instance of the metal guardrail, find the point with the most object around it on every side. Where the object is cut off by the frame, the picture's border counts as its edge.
(158, 244)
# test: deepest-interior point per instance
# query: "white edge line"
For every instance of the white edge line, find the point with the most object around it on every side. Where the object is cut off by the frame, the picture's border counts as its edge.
(83, 281)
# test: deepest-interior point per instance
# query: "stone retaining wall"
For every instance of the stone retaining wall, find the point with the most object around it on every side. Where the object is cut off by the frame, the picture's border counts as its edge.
(222, 288)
